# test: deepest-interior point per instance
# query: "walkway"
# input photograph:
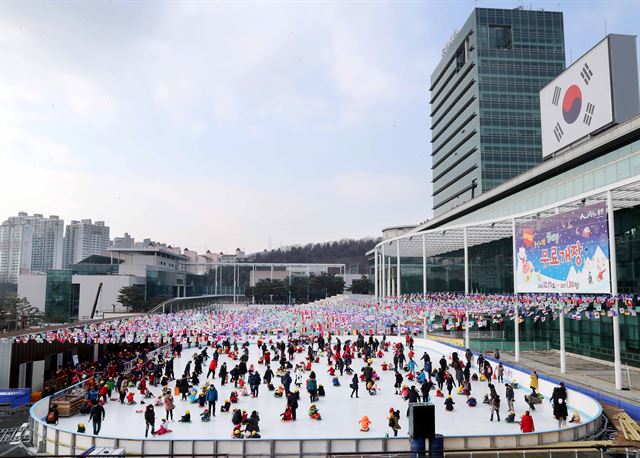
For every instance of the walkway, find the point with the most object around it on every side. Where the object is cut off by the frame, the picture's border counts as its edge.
(585, 372)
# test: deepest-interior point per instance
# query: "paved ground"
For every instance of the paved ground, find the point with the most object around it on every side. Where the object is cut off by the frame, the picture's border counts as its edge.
(584, 372)
(12, 419)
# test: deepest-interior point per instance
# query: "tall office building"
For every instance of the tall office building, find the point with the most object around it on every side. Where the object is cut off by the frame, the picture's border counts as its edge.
(83, 239)
(485, 112)
(30, 244)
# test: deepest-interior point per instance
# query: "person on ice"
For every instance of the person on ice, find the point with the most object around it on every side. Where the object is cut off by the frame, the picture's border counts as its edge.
(287, 415)
(186, 418)
(354, 385)
(526, 423)
(394, 420)
(314, 413)
(495, 407)
(448, 404)
(226, 406)
(398, 383)
(365, 424)
(163, 429)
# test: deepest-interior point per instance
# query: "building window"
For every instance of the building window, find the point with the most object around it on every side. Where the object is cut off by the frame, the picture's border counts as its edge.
(500, 37)
(462, 54)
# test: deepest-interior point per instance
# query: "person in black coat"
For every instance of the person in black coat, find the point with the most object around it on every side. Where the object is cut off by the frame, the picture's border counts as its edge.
(414, 396)
(149, 420)
(184, 388)
(354, 385)
(96, 415)
(424, 390)
(292, 402)
(286, 382)
(560, 413)
(253, 424)
(268, 375)
(398, 383)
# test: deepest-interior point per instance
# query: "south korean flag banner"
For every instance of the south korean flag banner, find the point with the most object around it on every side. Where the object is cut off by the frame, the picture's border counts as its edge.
(578, 102)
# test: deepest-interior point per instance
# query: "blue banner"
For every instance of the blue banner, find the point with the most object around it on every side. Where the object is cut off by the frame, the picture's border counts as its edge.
(15, 396)
(566, 253)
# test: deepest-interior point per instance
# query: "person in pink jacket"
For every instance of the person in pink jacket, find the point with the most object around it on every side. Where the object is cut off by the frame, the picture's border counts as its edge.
(169, 406)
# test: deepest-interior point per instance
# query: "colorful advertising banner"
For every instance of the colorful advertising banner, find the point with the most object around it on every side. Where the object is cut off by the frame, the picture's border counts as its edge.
(566, 253)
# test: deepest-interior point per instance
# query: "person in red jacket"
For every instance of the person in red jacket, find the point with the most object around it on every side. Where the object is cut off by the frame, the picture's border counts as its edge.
(212, 368)
(142, 386)
(526, 423)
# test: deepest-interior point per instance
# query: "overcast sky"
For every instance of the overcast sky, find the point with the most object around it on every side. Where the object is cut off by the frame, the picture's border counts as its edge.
(229, 124)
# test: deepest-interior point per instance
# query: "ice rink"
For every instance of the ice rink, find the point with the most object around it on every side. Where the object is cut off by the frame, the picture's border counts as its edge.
(340, 413)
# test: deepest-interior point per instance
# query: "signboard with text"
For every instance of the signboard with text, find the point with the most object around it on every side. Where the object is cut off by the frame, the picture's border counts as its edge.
(565, 253)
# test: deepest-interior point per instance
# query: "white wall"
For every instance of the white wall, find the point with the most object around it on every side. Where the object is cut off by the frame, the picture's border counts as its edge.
(111, 285)
(34, 288)
(130, 269)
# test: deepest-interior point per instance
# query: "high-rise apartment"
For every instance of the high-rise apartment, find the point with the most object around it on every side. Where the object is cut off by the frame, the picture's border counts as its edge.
(485, 113)
(30, 244)
(126, 241)
(83, 239)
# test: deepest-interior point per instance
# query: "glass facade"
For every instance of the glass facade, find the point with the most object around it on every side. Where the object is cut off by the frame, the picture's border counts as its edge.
(62, 301)
(619, 164)
(485, 115)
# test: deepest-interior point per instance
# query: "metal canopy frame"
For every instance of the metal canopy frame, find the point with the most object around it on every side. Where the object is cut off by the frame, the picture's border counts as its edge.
(447, 239)
(450, 238)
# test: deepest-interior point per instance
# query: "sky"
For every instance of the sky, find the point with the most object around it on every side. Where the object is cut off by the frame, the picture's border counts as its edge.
(216, 125)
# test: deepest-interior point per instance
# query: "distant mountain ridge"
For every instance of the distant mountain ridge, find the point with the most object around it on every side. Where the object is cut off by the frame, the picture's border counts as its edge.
(350, 252)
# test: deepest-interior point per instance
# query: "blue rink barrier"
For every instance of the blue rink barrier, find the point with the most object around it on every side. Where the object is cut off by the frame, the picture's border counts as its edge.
(15, 396)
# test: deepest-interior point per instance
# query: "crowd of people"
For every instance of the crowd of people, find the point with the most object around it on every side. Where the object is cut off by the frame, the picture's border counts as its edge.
(443, 310)
(286, 362)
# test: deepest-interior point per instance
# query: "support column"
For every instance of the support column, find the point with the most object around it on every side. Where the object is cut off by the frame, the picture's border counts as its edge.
(424, 270)
(375, 272)
(617, 361)
(290, 268)
(467, 339)
(563, 346)
(563, 351)
(398, 289)
(235, 283)
(516, 316)
(383, 272)
(389, 292)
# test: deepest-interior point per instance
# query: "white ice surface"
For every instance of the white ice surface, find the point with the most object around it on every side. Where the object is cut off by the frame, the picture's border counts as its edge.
(340, 413)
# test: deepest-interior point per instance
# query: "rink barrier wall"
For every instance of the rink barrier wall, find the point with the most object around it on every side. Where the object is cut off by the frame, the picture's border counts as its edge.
(52, 440)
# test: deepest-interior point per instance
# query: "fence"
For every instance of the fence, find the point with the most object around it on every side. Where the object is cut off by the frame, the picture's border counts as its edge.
(165, 350)
(488, 335)
(178, 304)
(579, 450)
(510, 346)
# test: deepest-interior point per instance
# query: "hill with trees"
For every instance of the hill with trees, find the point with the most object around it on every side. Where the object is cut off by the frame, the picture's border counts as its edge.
(350, 252)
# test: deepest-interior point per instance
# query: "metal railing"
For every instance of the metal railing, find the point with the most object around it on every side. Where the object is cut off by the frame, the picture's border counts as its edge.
(482, 346)
(496, 335)
(177, 304)
(165, 350)
(577, 451)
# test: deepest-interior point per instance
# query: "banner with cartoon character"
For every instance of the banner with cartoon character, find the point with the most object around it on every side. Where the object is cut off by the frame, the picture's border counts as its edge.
(565, 253)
